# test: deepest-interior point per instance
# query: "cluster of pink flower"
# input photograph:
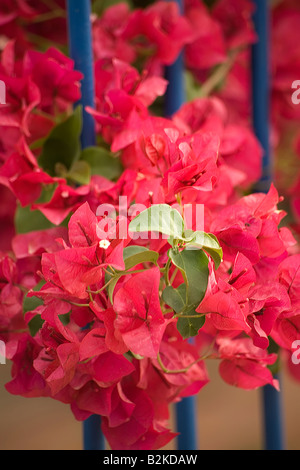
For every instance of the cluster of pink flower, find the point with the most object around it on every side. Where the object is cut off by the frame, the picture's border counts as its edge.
(101, 321)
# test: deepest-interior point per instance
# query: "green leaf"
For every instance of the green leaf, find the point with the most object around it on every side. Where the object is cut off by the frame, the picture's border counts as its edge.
(99, 6)
(62, 146)
(111, 286)
(27, 220)
(193, 265)
(160, 218)
(184, 300)
(213, 251)
(102, 162)
(80, 172)
(164, 219)
(35, 324)
(206, 241)
(192, 86)
(132, 255)
(190, 325)
(176, 299)
(133, 250)
(31, 303)
(65, 318)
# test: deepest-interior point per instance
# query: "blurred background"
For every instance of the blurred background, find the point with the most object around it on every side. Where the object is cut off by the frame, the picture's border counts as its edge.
(228, 418)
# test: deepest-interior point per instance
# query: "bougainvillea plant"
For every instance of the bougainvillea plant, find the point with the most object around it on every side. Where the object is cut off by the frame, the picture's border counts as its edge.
(125, 266)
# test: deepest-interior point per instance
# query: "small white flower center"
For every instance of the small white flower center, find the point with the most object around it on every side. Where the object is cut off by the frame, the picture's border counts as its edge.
(104, 244)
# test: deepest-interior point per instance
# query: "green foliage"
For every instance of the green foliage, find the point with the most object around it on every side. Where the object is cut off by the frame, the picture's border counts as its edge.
(168, 221)
(35, 324)
(133, 256)
(30, 304)
(27, 220)
(63, 156)
(189, 255)
(160, 218)
(99, 6)
(101, 162)
(62, 147)
(193, 265)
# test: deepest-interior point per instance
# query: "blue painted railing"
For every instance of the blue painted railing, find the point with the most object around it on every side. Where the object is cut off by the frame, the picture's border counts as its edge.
(274, 438)
(80, 50)
(260, 68)
(185, 410)
(80, 44)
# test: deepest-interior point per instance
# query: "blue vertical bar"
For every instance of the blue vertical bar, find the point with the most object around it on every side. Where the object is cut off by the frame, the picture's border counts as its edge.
(93, 438)
(261, 89)
(186, 422)
(186, 414)
(80, 45)
(175, 94)
(271, 398)
(174, 73)
(273, 418)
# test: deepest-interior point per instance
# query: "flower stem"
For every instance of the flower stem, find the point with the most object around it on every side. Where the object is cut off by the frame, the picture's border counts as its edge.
(218, 75)
(49, 15)
(181, 315)
(167, 267)
(176, 371)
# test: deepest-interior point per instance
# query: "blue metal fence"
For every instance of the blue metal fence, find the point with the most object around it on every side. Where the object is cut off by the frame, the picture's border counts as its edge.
(80, 45)
(186, 413)
(260, 67)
